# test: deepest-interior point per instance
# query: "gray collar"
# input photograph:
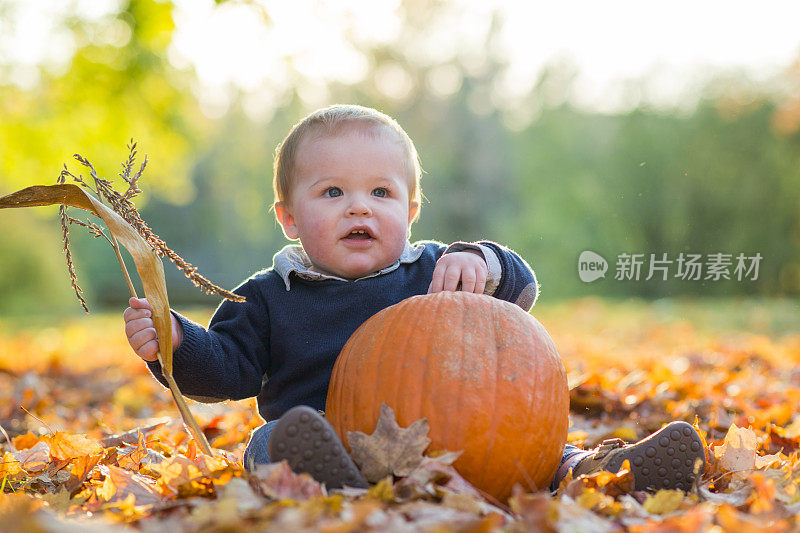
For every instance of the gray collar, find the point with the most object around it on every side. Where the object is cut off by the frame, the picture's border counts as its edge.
(292, 258)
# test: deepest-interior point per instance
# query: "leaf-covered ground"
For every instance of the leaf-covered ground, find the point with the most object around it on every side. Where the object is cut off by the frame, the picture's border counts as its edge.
(95, 442)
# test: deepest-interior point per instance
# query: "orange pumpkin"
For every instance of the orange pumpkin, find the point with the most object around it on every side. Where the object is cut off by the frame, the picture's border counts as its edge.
(483, 372)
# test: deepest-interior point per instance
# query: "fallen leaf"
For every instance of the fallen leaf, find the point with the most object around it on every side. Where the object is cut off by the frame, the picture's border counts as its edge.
(119, 484)
(439, 471)
(736, 498)
(536, 510)
(738, 452)
(175, 473)
(80, 469)
(573, 517)
(23, 442)
(664, 501)
(612, 484)
(390, 449)
(69, 446)
(129, 437)
(278, 482)
(34, 459)
(9, 466)
(383, 490)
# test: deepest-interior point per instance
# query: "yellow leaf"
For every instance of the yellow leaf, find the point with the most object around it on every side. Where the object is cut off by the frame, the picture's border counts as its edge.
(664, 501)
(67, 446)
(593, 499)
(9, 466)
(383, 490)
(176, 472)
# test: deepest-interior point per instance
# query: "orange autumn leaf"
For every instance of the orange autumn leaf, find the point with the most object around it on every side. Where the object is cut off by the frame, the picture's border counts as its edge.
(69, 446)
(134, 457)
(176, 472)
(23, 442)
(9, 466)
(120, 483)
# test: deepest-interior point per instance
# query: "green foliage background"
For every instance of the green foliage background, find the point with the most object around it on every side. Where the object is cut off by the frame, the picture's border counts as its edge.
(720, 176)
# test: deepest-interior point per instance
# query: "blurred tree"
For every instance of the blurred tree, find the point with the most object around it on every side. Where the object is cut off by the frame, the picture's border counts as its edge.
(119, 84)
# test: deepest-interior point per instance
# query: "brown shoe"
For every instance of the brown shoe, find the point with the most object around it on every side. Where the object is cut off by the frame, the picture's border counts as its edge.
(671, 458)
(309, 444)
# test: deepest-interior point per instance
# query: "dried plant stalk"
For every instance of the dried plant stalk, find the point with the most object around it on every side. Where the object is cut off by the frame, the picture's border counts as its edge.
(65, 221)
(148, 264)
(122, 204)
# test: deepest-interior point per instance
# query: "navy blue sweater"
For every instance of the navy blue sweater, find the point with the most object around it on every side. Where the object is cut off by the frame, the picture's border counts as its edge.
(280, 345)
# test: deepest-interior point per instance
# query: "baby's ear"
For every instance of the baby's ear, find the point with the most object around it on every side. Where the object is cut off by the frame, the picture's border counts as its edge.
(413, 209)
(286, 220)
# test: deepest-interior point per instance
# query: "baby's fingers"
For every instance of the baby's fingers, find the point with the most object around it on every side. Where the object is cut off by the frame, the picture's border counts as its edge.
(135, 314)
(140, 303)
(480, 281)
(469, 279)
(145, 344)
(437, 283)
(451, 278)
(132, 327)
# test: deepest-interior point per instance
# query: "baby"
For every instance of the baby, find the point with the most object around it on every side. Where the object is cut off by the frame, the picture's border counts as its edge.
(347, 187)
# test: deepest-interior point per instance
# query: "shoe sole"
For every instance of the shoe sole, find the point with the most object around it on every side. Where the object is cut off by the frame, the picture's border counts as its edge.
(309, 444)
(667, 459)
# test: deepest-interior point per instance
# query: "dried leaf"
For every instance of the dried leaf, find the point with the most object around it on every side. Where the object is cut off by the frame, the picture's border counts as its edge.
(69, 446)
(131, 457)
(277, 481)
(34, 459)
(390, 449)
(176, 472)
(23, 442)
(80, 469)
(437, 471)
(129, 437)
(148, 264)
(121, 483)
(736, 497)
(664, 501)
(9, 466)
(738, 452)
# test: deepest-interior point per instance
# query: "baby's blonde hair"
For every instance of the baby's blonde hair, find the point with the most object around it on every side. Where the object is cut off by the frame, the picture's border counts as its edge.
(329, 121)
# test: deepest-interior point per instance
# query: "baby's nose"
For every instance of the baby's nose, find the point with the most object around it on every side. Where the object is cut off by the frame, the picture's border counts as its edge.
(359, 209)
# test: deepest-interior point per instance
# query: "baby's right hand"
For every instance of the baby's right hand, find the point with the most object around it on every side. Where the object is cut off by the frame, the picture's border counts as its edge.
(141, 331)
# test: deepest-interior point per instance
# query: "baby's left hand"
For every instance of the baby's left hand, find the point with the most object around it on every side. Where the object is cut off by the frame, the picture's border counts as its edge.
(465, 270)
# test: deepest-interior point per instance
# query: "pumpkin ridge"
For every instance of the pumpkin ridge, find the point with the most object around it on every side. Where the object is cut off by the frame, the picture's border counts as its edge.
(519, 466)
(538, 385)
(509, 475)
(466, 425)
(443, 309)
(492, 323)
(378, 396)
(405, 315)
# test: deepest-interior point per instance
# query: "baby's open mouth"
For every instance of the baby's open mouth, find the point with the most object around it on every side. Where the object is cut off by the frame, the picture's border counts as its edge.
(359, 234)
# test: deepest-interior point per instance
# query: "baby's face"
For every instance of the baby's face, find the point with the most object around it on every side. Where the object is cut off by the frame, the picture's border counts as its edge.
(350, 203)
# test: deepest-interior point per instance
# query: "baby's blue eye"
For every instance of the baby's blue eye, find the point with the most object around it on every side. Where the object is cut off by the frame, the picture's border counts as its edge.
(333, 192)
(380, 192)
